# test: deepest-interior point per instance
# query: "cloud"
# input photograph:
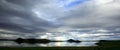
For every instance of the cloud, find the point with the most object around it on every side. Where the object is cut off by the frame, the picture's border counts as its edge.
(17, 17)
(46, 16)
(93, 14)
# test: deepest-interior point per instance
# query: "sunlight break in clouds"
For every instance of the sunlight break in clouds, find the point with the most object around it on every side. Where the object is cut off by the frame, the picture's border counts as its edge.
(70, 3)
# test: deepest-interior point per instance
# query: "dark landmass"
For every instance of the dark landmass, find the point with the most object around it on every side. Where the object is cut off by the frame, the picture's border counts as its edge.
(71, 41)
(60, 48)
(33, 41)
(108, 43)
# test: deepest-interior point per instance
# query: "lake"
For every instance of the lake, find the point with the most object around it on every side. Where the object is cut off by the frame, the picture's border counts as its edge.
(51, 44)
(88, 39)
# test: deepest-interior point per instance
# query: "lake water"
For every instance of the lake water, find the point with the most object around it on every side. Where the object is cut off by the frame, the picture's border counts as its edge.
(52, 44)
(88, 39)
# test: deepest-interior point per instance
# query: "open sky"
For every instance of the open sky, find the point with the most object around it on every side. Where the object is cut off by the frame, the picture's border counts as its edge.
(32, 16)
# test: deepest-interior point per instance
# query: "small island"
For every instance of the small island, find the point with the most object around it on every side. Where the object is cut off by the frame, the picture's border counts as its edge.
(71, 41)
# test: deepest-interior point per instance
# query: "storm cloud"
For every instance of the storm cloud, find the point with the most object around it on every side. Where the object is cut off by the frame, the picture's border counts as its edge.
(18, 16)
(58, 15)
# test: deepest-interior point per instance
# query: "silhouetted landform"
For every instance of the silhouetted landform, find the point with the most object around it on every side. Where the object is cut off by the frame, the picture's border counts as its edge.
(108, 43)
(32, 41)
(44, 41)
(71, 41)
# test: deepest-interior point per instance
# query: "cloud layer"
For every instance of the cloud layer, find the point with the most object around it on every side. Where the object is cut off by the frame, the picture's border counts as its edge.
(51, 16)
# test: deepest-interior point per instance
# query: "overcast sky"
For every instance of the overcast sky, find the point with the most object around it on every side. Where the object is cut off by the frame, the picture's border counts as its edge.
(58, 15)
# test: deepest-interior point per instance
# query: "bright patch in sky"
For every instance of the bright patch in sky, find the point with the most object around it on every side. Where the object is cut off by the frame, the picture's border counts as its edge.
(70, 3)
(98, 2)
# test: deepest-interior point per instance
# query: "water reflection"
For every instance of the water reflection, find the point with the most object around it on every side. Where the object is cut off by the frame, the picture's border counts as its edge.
(87, 40)
(59, 44)
(8, 43)
(52, 44)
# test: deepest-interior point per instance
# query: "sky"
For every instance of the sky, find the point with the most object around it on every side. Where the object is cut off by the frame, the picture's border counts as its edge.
(34, 16)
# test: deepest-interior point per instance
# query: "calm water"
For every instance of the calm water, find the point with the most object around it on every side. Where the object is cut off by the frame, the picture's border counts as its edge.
(61, 36)
(52, 44)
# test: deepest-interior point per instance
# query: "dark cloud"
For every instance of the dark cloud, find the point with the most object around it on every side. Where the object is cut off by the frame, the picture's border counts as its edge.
(17, 16)
(45, 15)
